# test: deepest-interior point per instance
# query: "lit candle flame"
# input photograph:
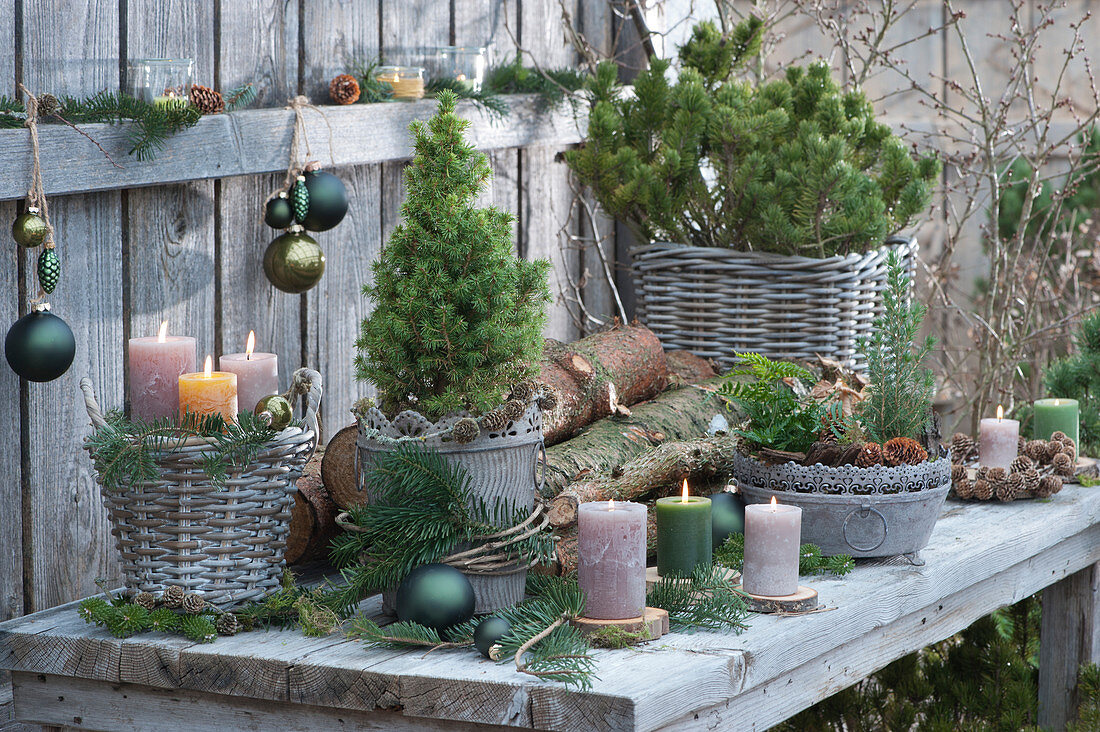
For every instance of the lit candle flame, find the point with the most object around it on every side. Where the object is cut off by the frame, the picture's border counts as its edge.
(1057, 402)
(1000, 412)
(684, 495)
(775, 504)
(250, 345)
(162, 334)
(396, 78)
(610, 504)
(208, 367)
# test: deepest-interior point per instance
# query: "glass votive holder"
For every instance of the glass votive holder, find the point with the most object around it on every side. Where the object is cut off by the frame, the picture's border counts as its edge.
(160, 81)
(406, 83)
(464, 64)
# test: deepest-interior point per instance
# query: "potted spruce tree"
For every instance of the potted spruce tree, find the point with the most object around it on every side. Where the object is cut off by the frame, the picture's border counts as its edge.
(870, 476)
(455, 336)
(765, 211)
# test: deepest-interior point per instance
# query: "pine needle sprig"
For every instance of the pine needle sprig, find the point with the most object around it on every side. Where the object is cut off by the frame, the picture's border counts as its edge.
(406, 634)
(708, 600)
(240, 97)
(496, 107)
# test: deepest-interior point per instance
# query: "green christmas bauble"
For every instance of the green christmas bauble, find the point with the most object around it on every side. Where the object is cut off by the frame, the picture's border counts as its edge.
(299, 199)
(278, 407)
(40, 346)
(278, 213)
(727, 516)
(29, 229)
(435, 595)
(489, 632)
(294, 262)
(328, 201)
(49, 269)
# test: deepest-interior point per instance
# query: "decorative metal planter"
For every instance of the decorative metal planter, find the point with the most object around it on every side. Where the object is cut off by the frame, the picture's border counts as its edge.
(863, 512)
(714, 301)
(502, 467)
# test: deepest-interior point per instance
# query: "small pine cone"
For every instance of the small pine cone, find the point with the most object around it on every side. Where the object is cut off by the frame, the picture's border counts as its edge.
(494, 421)
(513, 409)
(870, 455)
(1022, 463)
(47, 105)
(173, 596)
(465, 431)
(1021, 443)
(227, 624)
(1050, 449)
(1068, 448)
(996, 475)
(959, 473)
(1036, 450)
(524, 391)
(1063, 465)
(547, 398)
(344, 89)
(146, 599)
(206, 99)
(964, 489)
(903, 451)
(983, 490)
(193, 603)
(1031, 480)
(962, 447)
(1058, 436)
(1012, 488)
(1048, 486)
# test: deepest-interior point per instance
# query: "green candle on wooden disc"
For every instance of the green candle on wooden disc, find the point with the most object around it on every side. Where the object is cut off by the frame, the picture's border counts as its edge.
(683, 534)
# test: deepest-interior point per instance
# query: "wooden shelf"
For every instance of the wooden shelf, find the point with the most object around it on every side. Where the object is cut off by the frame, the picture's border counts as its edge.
(258, 141)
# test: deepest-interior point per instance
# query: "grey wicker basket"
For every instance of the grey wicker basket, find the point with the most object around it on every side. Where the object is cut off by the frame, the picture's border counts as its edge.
(223, 542)
(714, 301)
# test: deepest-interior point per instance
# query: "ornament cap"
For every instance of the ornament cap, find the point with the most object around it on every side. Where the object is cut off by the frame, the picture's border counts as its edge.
(42, 307)
(33, 209)
(283, 194)
(301, 178)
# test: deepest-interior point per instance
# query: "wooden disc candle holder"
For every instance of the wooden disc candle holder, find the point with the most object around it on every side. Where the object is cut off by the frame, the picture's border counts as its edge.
(802, 601)
(653, 623)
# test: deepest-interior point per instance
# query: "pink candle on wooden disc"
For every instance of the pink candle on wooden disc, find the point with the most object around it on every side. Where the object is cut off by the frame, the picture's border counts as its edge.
(773, 535)
(257, 373)
(156, 363)
(998, 441)
(611, 554)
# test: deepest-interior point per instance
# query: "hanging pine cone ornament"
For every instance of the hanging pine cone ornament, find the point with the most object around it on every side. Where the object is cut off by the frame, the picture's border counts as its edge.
(206, 100)
(299, 199)
(1063, 465)
(1036, 450)
(1031, 480)
(172, 597)
(29, 228)
(146, 599)
(547, 398)
(962, 447)
(344, 89)
(903, 451)
(523, 391)
(465, 431)
(193, 603)
(49, 269)
(1048, 486)
(513, 409)
(1022, 463)
(227, 624)
(327, 200)
(278, 213)
(983, 490)
(494, 421)
(870, 455)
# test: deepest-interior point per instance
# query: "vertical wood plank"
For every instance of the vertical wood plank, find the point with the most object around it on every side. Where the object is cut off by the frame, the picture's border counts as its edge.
(333, 33)
(259, 44)
(1069, 637)
(72, 47)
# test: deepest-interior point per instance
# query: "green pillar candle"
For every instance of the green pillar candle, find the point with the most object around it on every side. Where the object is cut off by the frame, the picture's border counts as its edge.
(683, 534)
(1055, 415)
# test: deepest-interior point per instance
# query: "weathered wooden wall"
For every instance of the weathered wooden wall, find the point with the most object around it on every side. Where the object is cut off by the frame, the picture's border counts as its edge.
(190, 251)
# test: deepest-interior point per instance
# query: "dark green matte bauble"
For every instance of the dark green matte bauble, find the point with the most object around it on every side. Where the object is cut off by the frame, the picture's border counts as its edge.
(29, 229)
(299, 199)
(435, 595)
(727, 516)
(489, 632)
(278, 407)
(278, 214)
(40, 346)
(294, 262)
(49, 269)
(328, 201)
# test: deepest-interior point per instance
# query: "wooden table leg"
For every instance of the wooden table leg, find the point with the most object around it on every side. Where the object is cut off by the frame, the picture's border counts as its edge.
(1070, 637)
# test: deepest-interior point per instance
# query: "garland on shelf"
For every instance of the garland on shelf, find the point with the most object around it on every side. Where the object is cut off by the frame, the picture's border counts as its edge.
(810, 562)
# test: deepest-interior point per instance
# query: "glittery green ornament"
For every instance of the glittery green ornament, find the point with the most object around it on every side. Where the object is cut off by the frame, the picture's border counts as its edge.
(29, 229)
(278, 408)
(49, 269)
(299, 199)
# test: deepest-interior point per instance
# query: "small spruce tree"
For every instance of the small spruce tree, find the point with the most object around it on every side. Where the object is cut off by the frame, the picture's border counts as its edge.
(457, 318)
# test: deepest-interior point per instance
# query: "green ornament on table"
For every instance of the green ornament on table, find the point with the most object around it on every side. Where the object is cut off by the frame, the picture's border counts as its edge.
(278, 214)
(299, 199)
(40, 346)
(727, 515)
(49, 269)
(277, 408)
(436, 596)
(294, 262)
(488, 634)
(29, 229)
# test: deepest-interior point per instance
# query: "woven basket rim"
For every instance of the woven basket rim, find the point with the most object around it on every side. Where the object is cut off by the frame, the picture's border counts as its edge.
(793, 260)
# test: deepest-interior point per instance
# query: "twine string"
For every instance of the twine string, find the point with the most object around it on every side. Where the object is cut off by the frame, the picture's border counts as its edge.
(36, 195)
(296, 165)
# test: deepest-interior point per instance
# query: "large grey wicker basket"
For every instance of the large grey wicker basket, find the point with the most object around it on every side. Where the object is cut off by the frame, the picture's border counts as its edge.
(224, 542)
(503, 470)
(714, 301)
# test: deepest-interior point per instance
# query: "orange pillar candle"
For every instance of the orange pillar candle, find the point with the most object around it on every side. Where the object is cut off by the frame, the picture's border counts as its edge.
(209, 392)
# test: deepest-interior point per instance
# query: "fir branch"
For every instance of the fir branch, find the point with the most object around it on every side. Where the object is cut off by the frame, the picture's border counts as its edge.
(489, 101)
(708, 600)
(371, 90)
(240, 97)
(553, 85)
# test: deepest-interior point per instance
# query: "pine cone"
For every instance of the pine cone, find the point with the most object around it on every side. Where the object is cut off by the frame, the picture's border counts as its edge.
(1048, 486)
(996, 475)
(193, 603)
(983, 491)
(1036, 450)
(962, 447)
(513, 409)
(465, 431)
(524, 391)
(1058, 436)
(964, 489)
(1021, 443)
(146, 599)
(903, 451)
(172, 597)
(227, 624)
(869, 455)
(1068, 448)
(959, 473)
(1012, 488)
(1022, 463)
(344, 89)
(206, 99)
(494, 421)
(1031, 480)
(1050, 449)
(48, 104)
(1064, 465)
(547, 398)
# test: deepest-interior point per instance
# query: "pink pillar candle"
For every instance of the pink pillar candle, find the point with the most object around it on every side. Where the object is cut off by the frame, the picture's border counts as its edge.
(156, 364)
(257, 374)
(998, 441)
(611, 553)
(773, 536)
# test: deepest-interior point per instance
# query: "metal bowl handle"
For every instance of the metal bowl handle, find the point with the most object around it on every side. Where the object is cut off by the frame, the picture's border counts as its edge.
(864, 511)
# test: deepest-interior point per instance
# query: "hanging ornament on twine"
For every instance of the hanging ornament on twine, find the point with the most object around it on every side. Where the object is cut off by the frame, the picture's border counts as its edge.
(39, 346)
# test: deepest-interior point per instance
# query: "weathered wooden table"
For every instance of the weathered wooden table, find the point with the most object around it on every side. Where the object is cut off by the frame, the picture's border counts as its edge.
(981, 557)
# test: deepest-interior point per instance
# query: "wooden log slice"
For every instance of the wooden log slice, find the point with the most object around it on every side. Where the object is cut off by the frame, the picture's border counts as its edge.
(338, 469)
(654, 623)
(802, 601)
